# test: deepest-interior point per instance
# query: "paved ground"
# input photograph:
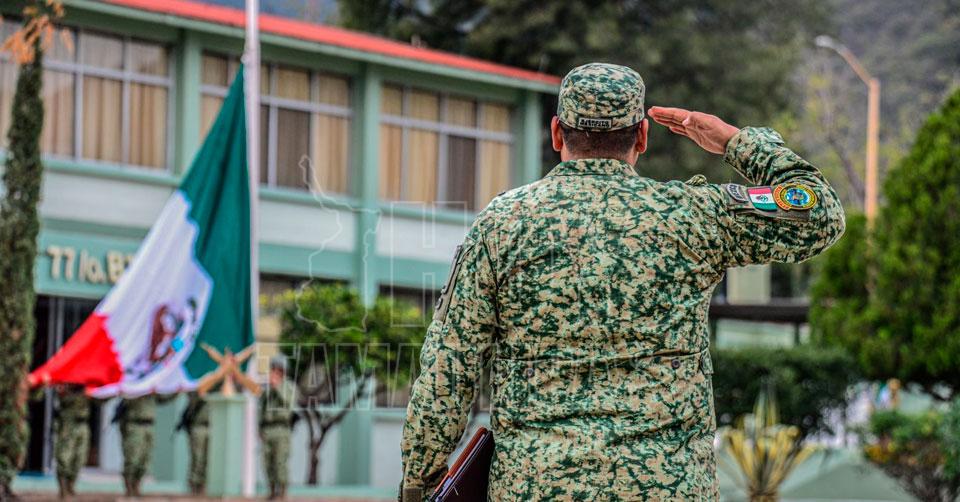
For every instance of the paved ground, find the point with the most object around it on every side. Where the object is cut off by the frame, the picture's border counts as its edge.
(829, 475)
(96, 486)
(107, 497)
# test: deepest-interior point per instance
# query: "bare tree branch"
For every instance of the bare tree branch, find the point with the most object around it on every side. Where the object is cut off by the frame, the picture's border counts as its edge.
(833, 139)
(357, 394)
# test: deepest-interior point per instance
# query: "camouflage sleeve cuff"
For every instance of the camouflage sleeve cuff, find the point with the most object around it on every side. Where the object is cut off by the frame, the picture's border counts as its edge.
(743, 149)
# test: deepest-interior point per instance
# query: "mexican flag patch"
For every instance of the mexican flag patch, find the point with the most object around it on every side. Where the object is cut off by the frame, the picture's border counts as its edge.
(762, 198)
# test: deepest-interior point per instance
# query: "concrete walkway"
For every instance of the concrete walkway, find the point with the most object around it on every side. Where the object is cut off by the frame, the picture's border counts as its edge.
(828, 476)
(96, 486)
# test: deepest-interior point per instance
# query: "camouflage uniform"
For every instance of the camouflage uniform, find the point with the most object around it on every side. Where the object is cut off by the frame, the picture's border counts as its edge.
(136, 434)
(276, 413)
(588, 292)
(72, 436)
(197, 424)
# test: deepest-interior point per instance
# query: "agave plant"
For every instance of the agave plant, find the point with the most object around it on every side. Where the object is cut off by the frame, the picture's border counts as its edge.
(765, 451)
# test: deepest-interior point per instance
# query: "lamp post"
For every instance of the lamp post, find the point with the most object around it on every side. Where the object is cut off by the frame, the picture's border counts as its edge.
(873, 121)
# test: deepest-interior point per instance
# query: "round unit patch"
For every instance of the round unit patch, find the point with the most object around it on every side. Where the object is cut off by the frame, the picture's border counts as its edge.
(794, 196)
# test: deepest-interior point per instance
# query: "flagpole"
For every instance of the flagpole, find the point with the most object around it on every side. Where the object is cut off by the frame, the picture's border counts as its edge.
(251, 73)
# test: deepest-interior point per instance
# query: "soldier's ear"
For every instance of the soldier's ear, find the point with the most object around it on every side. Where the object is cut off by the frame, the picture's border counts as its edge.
(641, 144)
(555, 135)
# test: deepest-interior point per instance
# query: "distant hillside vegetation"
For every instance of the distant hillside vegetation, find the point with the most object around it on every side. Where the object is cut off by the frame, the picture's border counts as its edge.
(316, 11)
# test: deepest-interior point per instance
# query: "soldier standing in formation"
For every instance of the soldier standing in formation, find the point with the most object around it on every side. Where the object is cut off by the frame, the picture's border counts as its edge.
(72, 436)
(136, 417)
(196, 421)
(589, 291)
(276, 417)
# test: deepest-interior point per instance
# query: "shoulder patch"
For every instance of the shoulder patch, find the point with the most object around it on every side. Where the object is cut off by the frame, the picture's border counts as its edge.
(736, 192)
(697, 180)
(794, 197)
(762, 198)
(790, 201)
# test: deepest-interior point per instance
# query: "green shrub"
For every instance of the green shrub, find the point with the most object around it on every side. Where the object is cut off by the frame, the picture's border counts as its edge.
(839, 313)
(892, 296)
(918, 450)
(808, 381)
(951, 439)
(917, 296)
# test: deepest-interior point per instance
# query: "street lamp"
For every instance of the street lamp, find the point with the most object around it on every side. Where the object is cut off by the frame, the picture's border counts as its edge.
(873, 120)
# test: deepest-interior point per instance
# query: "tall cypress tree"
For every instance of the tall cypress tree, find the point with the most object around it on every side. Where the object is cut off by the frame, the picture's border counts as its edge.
(19, 226)
(917, 297)
(907, 325)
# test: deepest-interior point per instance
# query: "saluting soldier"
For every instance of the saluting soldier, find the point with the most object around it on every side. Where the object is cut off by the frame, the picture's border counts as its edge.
(136, 417)
(589, 290)
(72, 436)
(276, 417)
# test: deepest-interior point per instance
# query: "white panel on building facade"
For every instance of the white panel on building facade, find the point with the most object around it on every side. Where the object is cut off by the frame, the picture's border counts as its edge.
(425, 239)
(317, 228)
(100, 200)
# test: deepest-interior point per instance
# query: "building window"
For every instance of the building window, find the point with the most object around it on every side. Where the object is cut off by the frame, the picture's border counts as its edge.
(302, 114)
(106, 98)
(442, 149)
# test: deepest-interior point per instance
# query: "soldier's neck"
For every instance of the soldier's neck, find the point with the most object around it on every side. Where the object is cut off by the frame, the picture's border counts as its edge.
(564, 158)
(630, 158)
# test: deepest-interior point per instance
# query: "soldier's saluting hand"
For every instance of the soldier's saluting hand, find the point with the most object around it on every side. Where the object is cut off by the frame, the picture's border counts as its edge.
(588, 292)
(707, 131)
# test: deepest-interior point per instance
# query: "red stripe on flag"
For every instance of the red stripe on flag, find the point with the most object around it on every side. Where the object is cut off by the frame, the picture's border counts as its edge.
(88, 358)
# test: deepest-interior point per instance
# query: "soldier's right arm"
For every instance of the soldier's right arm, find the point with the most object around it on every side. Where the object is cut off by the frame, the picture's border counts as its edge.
(755, 237)
(745, 234)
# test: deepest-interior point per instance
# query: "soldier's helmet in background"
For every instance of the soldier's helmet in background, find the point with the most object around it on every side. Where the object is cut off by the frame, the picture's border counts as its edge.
(278, 363)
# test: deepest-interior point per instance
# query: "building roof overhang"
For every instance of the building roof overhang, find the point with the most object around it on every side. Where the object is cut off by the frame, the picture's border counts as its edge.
(328, 39)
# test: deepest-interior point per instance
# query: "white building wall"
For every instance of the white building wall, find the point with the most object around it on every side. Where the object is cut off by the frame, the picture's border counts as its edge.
(426, 239)
(135, 204)
(100, 200)
(386, 466)
(308, 226)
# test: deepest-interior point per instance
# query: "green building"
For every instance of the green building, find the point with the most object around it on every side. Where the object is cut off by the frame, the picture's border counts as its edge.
(376, 157)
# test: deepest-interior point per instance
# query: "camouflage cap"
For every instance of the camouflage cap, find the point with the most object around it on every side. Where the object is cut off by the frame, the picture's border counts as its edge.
(601, 97)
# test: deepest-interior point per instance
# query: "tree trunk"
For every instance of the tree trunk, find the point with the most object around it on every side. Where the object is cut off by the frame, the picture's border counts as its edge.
(313, 477)
(318, 431)
(19, 226)
(314, 440)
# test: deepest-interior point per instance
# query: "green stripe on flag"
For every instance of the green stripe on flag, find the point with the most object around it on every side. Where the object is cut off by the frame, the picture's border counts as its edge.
(218, 190)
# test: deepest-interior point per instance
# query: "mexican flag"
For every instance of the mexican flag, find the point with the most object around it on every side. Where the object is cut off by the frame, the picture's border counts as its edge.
(188, 283)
